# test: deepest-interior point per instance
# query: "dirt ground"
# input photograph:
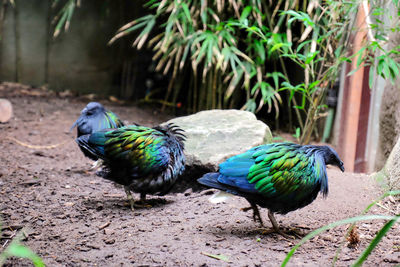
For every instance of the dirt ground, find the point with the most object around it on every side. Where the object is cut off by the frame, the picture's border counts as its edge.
(73, 218)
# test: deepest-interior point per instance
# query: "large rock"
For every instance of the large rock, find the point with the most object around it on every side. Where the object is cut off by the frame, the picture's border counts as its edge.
(389, 117)
(390, 174)
(215, 135)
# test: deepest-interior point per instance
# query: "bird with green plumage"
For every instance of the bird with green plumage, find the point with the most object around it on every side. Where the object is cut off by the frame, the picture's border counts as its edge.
(281, 177)
(144, 160)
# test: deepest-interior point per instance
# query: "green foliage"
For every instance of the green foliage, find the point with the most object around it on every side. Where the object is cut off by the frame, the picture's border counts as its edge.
(219, 49)
(250, 44)
(219, 42)
(16, 249)
(64, 16)
(381, 233)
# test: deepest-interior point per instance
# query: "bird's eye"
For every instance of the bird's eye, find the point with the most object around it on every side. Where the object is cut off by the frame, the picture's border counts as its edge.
(89, 113)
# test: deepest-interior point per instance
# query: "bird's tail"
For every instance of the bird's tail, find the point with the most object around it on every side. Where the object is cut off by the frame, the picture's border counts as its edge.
(211, 180)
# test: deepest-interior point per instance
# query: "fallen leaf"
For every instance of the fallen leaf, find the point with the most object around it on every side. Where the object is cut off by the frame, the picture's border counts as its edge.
(218, 257)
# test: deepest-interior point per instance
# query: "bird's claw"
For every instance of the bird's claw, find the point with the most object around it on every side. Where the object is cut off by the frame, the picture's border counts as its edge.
(265, 231)
(141, 206)
(298, 234)
(290, 233)
(135, 205)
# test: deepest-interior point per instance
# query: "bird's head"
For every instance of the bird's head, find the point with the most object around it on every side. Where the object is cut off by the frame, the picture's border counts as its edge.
(92, 109)
(331, 157)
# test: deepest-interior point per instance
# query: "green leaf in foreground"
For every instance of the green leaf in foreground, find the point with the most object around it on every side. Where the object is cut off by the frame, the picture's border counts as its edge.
(15, 249)
(218, 257)
(333, 225)
(375, 241)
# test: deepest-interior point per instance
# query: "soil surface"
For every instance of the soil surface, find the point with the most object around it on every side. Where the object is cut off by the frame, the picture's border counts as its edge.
(71, 217)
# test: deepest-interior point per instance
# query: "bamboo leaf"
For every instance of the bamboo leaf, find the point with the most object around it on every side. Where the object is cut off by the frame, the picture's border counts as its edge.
(245, 13)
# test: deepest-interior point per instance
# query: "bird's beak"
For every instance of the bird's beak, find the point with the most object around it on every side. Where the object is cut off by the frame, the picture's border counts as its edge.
(75, 124)
(341, 166)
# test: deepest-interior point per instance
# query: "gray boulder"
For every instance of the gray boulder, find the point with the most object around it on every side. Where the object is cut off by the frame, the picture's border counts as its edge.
(390, 174)
(215, 135)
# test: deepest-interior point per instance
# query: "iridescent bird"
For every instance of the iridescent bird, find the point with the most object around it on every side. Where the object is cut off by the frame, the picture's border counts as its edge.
(94, 117)
(281, 177)
(142, 159)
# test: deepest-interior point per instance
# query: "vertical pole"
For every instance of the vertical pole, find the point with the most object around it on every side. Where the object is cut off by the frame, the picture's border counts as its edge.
(353, 100)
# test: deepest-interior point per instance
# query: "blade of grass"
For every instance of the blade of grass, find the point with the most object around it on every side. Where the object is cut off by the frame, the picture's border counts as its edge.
(375, 241)
(333, 225)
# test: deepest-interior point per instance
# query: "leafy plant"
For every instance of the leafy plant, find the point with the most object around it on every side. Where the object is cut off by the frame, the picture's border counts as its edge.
(252, 44)
(16, 249)
(391, 220)
(206, 38)
(270, 52)
(64, 16)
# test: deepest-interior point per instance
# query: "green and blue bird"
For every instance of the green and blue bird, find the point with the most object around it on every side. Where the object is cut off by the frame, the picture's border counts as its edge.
(94, 117)
(142, 159)
(281, 177)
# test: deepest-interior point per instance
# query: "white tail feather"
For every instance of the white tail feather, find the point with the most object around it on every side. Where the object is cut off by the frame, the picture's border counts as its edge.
(219, 197)
(96, 164)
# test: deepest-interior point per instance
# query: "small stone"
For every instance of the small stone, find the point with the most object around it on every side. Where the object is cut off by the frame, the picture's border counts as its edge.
(188, 192)
(108, 231)
(392, 257)
(109, 241)
(6, 110)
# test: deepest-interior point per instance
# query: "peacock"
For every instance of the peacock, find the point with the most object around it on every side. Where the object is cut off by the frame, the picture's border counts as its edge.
(94, 117)
(281, 177)
(142, 159)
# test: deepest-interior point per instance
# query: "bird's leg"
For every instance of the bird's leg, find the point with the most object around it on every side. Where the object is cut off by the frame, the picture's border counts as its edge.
(130, 198)
(143, 197)
(273, 221)
(276, 228)
(135, 204)
(143, 201)
(256, 212)
(291, 231)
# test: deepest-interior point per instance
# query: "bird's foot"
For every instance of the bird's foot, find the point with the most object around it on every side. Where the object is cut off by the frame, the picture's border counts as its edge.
(295, 232)
(287, 235)
(136, 205)
(140, 204)
(291, 234)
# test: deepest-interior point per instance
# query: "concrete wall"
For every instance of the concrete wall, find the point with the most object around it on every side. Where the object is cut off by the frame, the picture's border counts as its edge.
(79, 59)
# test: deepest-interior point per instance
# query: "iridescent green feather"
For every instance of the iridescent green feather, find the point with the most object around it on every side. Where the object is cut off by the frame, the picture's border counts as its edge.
(113, 120)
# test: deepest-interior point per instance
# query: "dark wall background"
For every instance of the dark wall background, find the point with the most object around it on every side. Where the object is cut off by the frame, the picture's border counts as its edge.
(78, 60)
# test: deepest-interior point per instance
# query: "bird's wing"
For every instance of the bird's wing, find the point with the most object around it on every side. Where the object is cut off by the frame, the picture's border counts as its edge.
(286, 170)
(141, 148)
